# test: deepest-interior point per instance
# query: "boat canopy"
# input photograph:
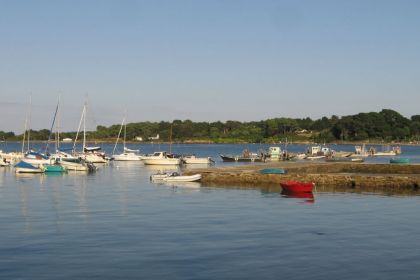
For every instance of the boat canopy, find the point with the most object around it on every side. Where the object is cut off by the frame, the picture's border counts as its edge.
(36, 155)
(92, 149)
(23, 164)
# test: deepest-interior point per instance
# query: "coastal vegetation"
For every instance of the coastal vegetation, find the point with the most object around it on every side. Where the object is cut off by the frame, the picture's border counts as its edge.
(384, 126)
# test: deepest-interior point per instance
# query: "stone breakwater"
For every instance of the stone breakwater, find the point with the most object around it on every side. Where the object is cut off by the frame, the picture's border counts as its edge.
(326, 176)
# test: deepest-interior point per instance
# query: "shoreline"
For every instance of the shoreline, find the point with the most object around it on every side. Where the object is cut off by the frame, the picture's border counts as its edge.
(357, 177)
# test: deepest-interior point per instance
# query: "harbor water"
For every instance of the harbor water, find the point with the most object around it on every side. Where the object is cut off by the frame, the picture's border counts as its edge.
(116, 224)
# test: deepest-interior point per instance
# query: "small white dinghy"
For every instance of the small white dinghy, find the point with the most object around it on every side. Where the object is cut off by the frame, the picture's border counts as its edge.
(175, 177)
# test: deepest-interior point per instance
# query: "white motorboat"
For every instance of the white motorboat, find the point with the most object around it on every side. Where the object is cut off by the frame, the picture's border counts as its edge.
(192, 159)
(160, 158)
(175, 177)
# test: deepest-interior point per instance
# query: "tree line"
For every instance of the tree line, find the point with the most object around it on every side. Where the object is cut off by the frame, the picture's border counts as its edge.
(386, 125)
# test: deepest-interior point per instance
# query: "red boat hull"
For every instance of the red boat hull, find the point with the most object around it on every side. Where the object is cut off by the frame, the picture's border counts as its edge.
(296, 186)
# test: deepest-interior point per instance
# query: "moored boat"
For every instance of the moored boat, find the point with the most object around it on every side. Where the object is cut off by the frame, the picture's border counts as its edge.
(24, 167)
(296, 186)
(161, 158)
(273, 171)
(175, 177)
(400, 160)
(246, 156)
(192, 159)
(53, 168)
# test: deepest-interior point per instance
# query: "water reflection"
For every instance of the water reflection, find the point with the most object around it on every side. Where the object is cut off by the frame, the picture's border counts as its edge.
(305, 197)
(162, 168)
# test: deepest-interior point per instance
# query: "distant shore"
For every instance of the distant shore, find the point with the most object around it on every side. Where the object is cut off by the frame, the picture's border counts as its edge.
(203, 142)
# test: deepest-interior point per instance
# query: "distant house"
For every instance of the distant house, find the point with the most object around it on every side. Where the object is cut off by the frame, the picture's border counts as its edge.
(303, 131)
(138, 138)
(67, 140)
(154, 138)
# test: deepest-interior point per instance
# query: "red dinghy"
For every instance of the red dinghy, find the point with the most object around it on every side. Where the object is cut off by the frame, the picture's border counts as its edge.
(296, 186)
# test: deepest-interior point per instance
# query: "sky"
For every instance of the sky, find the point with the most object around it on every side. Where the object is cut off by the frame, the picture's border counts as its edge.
(206, 60)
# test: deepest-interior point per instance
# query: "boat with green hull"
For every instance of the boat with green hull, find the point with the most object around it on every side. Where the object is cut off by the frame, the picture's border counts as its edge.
(54, 168)
(399, 160)
(273, 171)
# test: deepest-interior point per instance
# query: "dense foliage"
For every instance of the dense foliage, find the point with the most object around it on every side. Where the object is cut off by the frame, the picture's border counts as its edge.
(386, 125)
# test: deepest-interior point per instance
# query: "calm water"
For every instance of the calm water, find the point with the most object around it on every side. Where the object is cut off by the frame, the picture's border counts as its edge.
(115, 224)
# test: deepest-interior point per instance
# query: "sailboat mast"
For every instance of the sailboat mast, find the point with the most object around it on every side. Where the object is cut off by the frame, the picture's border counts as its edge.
(119, 134)
(125, 134)
(52, 126)
(29, 118)
(170, 140)
(24, 133)
(57, 129)
(78, 129)
(84, 128)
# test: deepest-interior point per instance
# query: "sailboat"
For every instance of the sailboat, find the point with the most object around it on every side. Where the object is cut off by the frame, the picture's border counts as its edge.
(68, 161)
(128, 154)
(31, 157)
(90, 154)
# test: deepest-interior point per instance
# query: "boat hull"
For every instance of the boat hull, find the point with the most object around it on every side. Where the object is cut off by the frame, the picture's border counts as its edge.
(399, 161)
(160, 161)
(127, 157)
(273, 171)
(192, 178)
(240, 159)
(296, 186)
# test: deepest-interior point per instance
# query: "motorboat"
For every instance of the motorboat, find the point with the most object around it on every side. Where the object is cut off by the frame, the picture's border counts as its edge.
(192, 159)
(161, 158)
(175, 177)
(127, 156)
(297, 186)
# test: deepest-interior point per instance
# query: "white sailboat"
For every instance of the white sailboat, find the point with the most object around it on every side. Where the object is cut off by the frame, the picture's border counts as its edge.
(127, 155)
(89, 154)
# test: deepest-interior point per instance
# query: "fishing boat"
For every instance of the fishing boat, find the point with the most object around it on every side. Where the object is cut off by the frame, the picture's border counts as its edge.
(246, 156)
(273, 171)
(175, 177)
(161, 158)
(296, 186)
(24, 167)
(192, 159)
(400, 160)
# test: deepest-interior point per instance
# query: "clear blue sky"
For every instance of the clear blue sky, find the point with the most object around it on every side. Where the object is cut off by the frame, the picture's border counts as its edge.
(206, 60)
